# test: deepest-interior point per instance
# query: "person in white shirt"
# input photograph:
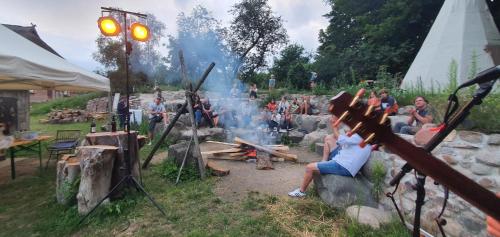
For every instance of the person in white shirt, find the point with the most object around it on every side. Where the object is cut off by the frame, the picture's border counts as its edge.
(283, 105)
(345, 159)
(157, 113)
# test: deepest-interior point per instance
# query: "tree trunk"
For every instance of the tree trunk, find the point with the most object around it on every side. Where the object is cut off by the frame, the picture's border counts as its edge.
(68, 172)
(264, 161)
(96, 163)
(118, 139)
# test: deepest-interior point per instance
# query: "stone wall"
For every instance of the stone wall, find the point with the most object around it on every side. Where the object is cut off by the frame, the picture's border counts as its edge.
(476, 155)
(23, 107)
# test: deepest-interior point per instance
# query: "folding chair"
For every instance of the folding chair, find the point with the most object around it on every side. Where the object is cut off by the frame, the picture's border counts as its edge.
(65, 142)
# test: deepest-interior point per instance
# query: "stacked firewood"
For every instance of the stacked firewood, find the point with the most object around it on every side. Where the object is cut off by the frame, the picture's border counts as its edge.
(243, 150)
(66, 116)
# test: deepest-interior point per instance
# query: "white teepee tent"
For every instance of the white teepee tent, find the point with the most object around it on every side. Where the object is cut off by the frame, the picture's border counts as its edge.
(463, 30)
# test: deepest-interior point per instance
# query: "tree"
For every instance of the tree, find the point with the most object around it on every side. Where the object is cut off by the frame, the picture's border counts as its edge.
(255, 33)
(366, 34)
(292, 58)
(146, 63)
(200, 36)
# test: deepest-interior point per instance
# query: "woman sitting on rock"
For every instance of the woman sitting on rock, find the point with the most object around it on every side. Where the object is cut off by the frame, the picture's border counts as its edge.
(295, 106)
(305, 107)
(272, 105)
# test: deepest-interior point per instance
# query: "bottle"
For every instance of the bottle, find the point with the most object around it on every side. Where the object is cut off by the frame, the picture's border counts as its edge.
(113, 124)
(93, 126)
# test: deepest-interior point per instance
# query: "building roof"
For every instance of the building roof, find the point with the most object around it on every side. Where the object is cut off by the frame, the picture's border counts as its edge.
(29, 32)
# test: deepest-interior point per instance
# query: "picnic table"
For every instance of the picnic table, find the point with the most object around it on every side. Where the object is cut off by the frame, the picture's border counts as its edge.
(34, 145)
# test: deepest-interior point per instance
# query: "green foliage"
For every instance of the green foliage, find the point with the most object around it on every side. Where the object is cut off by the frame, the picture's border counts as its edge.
(254, 33)
(364, 34)
(290, 68)
(393, 229)
(74, 102)
(312, 147)
(378, 173)
(169, 170)
(70, 190)
(452, 76)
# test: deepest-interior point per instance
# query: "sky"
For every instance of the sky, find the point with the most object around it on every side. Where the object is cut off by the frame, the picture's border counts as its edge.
(70, 26)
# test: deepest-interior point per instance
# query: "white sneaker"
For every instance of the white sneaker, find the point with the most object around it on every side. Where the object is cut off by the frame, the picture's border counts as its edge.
(296, 193)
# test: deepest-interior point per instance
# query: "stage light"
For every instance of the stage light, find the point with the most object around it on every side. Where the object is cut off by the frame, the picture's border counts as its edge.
(108, 26)
(139, 32)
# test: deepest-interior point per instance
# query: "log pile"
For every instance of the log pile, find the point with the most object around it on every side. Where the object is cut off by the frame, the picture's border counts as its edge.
(243, 150)
(66, 116)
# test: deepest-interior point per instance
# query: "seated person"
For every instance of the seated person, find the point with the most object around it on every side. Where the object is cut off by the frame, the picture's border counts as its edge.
(345, 158)
(305, 107)
(157, 113)
(283, 105)
(287, 120)
(275, 121)
(206, 112)
(121, 110)
(374, 100)
(294, 106)
(253, 91)
(272, 105)
(388, 103)
(423, 114)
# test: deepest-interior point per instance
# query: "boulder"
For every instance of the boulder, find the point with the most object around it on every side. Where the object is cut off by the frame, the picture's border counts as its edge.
(313, 137)
(177, 152)
(398, 118)
(494, 139)
(488, 158)
(306, 123)
(341, 191)
(405, 110)
(295, 136)
(369, 215)
(376, 157)
(471, 137)
(204, 133)
(480, 169)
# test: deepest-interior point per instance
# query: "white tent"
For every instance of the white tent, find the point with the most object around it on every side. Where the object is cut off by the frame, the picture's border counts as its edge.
(26, 66)
(463, 29)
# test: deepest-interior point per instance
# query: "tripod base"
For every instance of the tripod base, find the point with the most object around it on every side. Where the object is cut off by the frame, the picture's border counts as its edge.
(129, 179)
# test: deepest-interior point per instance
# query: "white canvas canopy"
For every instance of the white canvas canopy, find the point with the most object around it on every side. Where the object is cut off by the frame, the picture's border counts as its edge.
(26, 66)
(463, 29)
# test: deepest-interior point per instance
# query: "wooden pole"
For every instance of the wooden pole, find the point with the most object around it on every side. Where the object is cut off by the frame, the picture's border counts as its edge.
(176, 117)
(189, 92)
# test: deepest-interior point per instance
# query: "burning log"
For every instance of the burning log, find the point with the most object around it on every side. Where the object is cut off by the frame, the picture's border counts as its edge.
(286, 156)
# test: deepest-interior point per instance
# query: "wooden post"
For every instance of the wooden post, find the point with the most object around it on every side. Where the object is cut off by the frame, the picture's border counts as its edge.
(97, 167)
(196, 151)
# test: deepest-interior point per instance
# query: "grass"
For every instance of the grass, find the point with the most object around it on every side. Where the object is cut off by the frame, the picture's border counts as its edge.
(28, 208)
(74, 102)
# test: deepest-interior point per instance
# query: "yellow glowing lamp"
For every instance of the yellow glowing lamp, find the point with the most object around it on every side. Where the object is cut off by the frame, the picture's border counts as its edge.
(139, 32)
(108, 26)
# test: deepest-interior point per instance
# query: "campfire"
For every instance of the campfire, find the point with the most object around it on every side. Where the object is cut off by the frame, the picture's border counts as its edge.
(242, 150)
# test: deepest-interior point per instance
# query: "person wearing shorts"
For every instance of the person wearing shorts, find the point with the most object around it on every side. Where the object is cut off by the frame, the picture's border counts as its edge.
(345, 159)
(157, 114)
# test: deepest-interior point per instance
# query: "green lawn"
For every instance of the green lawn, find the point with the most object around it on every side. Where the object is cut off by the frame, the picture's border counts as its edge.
(28, 208)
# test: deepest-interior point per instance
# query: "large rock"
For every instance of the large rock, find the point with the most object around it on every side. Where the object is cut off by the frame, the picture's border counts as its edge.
(177, 152)
(296, 136)
(471, 137)
(488, 158)
(369, 215)
(398, 118)
(494, 139)
(204, 134)
(341, 191)
(319, 148)
(376, 157)
(311, 138)
(307, 123)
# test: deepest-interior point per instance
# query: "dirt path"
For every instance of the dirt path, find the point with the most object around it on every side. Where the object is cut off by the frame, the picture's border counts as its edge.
(244, 177)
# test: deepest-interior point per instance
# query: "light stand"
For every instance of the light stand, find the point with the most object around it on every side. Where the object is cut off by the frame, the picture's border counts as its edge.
(129, 179)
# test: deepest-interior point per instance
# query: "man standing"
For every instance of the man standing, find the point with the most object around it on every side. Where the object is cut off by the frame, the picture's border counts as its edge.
(272, 83)
(157, 113)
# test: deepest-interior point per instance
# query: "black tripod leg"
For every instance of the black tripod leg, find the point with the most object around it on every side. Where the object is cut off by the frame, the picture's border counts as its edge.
(149, 196)
(419, 202)
(102, 200)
